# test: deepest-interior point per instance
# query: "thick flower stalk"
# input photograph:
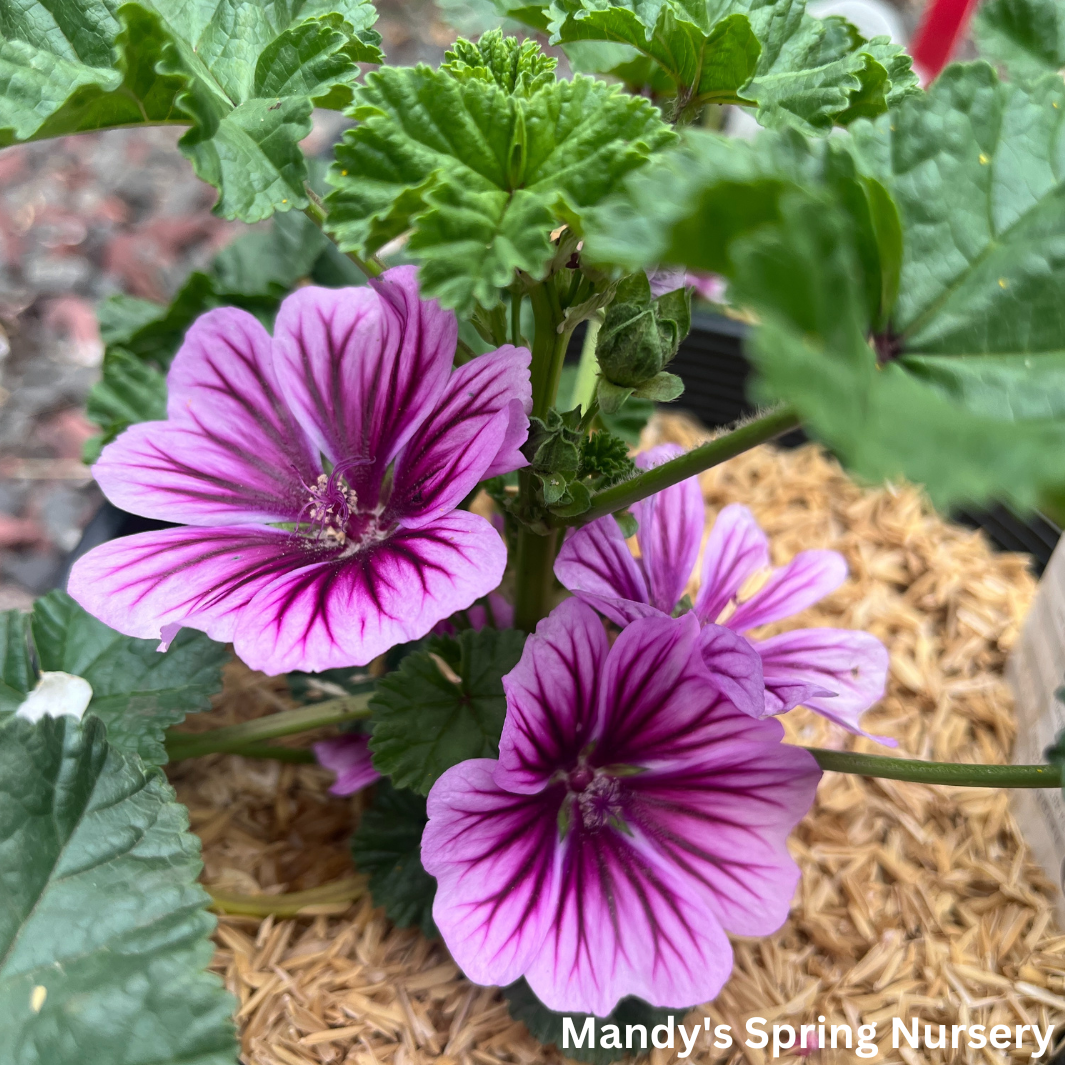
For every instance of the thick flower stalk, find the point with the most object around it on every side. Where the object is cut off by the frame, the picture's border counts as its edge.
(634, 816)
(317, 475)
(839, 673)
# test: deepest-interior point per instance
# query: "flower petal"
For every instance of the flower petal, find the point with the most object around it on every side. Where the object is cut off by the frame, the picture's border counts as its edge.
(806, 579)
(231, 451)
(478, 424)
(670, 531)
(723, 821)
(551, 697)
(627, 923)
(656, 694)
(850, 665)
(493, 611)
(494, 857)
(735, 668)
(363, 368)
(350, 609)
(595, 563)
(199, 577)
(735, 549)
(348, 756)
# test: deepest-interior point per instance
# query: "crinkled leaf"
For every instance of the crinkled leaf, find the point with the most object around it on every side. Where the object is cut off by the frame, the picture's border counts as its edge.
(798, 70)
(104, 936)
(424, 723)
(137, 692)
(1026, 36)
(244, 76)
(479, 174)
(546, 1025)
(387, 846)
(17, 674)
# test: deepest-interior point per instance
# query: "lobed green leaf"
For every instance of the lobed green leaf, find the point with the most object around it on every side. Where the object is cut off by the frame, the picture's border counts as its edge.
(242, 75)
(424, 721)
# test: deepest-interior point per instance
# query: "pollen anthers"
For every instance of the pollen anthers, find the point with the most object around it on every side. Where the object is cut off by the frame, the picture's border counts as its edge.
(332, 504)
(597, 795)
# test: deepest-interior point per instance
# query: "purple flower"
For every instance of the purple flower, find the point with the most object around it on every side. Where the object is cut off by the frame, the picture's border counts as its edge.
(634, 816)
(349, 757)
(839, 673)
(317, 474)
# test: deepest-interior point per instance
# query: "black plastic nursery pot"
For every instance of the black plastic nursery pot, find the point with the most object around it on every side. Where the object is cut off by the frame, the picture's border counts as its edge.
(715, 372)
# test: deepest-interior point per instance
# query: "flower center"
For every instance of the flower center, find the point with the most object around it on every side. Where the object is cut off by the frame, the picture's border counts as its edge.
(598, 796)
(332, 511)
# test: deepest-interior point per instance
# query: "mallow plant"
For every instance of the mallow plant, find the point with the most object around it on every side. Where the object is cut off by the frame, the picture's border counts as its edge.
(380, 479)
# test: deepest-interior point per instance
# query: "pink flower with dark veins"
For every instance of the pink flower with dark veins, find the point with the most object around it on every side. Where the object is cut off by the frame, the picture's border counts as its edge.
(839, 673)
(636, 814)
(317, 475)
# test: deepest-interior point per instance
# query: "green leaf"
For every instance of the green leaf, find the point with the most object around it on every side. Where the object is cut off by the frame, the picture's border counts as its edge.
(424, 723)
(137, 692)
(17, 675)
(104, 936)
(798, 70)
(130, 391)
(883, 419)
(387, 846)
(244, 76)
(482, 198)
(629, 420)
(1027, 37)
(546, 1025)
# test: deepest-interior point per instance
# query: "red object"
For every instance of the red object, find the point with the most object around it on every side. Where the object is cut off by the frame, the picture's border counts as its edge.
(943, 23)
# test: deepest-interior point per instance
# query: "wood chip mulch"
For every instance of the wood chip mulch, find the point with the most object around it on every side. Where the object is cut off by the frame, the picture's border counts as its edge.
(915, 901)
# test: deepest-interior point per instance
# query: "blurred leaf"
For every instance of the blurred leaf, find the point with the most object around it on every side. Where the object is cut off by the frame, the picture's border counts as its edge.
(17, 675)
(387, 846)
(1026, 36)
(104, 935)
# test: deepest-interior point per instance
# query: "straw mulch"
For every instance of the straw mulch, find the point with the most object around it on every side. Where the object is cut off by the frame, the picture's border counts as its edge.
(914, 901)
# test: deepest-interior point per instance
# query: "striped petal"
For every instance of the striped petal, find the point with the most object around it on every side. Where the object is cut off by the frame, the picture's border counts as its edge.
(203, 578)
(595, 563)
(805, 580)
(230, 451)
(736, 550)
(670, 531)
(844, 671)
(493, 854)
(552, 697)
(363, 367)
(349, 609)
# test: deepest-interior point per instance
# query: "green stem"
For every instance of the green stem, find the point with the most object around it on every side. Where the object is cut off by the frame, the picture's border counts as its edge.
(290, 905)
(534, 576)
(315, 211)
(687, 465)
(584, 386)
(275, 752)
(549, 347)
(515, 316)
(287, 723)
(959, 775)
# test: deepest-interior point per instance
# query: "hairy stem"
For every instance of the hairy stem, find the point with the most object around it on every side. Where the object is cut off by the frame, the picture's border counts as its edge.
(315, 211)
(957, 774)
(232, 739)
(687, 465)
(339, 893)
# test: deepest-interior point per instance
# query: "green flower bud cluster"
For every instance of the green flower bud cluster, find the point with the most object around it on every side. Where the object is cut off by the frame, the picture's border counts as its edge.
(639, 338)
